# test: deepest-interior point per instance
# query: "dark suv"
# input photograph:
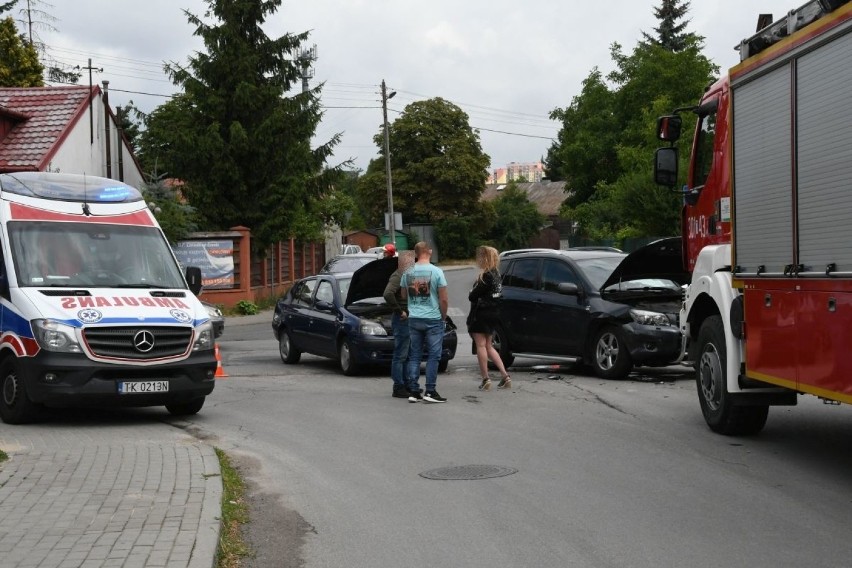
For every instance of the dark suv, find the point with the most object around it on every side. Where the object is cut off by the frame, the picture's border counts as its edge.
(608, 309)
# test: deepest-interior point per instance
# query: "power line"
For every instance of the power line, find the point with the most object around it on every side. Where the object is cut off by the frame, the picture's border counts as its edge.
(111, 89)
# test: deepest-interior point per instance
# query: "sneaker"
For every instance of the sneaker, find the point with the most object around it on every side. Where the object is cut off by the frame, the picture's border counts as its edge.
(400, 392)
(415, 396)
(433, 396)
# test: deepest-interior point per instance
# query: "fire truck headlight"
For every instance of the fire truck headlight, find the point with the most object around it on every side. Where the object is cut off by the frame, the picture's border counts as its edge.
(203, 337)
(644, 317)
(54, 336)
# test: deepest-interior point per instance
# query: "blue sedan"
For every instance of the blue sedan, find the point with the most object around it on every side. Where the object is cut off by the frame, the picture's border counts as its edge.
(343, 316)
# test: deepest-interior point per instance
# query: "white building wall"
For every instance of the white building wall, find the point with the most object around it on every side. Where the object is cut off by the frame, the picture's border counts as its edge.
(79, 155)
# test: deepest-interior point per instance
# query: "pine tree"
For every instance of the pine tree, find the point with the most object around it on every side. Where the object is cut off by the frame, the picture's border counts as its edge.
(670, 34)
(236, 138)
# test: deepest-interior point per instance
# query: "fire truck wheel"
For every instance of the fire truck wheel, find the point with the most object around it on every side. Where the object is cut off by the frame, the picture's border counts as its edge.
(186, 408)
(15, 405)
(610, 358)
(717, 405)
(289, 354)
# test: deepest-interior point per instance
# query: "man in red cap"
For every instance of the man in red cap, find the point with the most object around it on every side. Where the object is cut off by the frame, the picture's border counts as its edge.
(390, 250)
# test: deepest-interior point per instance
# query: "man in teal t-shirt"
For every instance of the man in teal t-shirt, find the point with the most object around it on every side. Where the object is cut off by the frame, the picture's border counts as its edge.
(426, 290)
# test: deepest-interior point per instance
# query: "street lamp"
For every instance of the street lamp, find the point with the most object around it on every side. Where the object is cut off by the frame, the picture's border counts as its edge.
(385, 97)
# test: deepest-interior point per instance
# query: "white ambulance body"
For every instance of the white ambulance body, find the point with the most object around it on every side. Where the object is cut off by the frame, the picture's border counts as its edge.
(94, 309)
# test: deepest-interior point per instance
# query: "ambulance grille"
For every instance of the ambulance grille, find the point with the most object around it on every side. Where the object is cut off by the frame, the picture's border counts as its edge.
(120, 342)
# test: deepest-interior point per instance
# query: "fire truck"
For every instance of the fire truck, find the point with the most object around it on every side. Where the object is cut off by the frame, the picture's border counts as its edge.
(767, 315)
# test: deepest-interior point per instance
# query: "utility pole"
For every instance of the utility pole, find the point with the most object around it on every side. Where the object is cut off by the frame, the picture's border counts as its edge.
(385, 97)
(91, 117)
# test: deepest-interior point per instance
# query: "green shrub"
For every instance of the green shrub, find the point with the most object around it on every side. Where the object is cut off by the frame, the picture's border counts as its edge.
(247, 308)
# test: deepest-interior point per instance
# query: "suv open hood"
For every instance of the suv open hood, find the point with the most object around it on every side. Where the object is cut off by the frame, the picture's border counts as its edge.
(370, 280)
(660, 259)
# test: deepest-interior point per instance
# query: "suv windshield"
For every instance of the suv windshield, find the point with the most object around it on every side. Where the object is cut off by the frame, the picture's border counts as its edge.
(597, 270)
(87, 254)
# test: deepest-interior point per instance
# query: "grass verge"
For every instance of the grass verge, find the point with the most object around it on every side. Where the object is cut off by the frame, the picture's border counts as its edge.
(232, 548)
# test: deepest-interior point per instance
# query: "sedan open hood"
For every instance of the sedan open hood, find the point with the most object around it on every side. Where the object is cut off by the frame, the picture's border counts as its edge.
(660, 259)
(370, 280)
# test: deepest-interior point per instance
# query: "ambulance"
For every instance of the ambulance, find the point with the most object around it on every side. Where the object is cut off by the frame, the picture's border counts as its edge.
(94, 308)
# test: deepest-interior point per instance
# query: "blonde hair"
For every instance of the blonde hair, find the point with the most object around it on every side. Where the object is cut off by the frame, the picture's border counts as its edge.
(486, 259)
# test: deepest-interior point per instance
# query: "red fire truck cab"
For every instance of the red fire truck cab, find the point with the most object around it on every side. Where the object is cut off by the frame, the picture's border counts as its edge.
(766, 216)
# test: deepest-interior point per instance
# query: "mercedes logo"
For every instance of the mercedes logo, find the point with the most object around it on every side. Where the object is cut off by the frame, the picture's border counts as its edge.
(143, 341)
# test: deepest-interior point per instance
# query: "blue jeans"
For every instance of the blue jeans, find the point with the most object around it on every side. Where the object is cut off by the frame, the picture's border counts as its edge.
(430, 332)
(401, 346)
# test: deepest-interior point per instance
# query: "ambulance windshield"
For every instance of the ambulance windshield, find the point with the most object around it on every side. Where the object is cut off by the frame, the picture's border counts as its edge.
(92, 255)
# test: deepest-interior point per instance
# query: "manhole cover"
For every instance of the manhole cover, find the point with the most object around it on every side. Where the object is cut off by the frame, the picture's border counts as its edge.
(469, 472)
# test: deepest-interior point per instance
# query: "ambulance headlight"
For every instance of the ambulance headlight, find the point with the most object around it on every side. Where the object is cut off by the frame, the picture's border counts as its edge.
(203, 337)
(54, 336)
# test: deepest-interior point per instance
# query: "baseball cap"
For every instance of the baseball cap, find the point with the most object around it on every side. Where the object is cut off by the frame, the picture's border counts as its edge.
(390, 249)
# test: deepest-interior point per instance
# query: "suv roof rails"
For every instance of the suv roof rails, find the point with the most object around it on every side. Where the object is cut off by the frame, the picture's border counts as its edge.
(600, 248)
(521, 251)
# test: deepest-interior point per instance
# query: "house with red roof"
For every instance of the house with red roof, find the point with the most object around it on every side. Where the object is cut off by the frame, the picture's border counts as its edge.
(69, 129)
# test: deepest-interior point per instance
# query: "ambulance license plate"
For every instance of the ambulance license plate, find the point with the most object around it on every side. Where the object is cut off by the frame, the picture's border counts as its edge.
(142, 387)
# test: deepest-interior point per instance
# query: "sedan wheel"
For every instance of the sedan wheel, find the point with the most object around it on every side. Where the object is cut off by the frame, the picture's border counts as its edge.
(289, 354)
(610, 358)
(347, 359)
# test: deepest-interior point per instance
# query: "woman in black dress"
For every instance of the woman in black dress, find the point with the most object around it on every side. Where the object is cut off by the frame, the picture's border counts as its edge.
(484, 316)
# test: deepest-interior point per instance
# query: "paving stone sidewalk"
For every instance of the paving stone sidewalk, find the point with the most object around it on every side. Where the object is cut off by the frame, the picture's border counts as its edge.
(138, 494)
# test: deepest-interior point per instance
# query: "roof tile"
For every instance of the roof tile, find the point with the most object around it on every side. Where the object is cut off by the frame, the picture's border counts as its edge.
(50, 111)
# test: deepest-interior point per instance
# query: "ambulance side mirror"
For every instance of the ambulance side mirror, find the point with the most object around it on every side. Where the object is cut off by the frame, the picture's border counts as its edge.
(193, 279)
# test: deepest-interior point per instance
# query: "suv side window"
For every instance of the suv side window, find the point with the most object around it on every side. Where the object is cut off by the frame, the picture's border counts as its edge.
(554, 272)
(522, 273)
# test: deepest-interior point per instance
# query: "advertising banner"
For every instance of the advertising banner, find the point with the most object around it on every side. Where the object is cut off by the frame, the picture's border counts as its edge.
(215, 258)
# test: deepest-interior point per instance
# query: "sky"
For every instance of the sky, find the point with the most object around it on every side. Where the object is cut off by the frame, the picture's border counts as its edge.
(507, 64)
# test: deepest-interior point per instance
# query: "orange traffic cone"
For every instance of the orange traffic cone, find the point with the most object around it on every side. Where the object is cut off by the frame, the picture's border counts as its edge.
(220, 371)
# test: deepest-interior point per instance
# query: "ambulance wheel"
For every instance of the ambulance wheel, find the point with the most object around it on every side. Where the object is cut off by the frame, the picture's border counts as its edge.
(15, 404)
(186, 408)
(717, 404)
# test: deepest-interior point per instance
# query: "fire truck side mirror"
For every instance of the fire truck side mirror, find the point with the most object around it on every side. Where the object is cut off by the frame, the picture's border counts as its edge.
(193, 279)
(668, 128)
(665, 166)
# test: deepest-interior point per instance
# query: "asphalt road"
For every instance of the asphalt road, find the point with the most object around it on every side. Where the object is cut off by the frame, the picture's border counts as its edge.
(600, 473)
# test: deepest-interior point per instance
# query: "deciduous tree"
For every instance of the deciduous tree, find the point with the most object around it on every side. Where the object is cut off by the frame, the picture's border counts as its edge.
(19, 64)
(438, 168)
(656, 77)
(518, 220)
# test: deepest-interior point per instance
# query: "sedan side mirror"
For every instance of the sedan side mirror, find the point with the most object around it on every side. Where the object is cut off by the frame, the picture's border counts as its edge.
(324, 306)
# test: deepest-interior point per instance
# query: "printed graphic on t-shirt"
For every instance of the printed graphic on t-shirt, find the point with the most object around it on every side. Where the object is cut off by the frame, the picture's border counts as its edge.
(419, 289)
